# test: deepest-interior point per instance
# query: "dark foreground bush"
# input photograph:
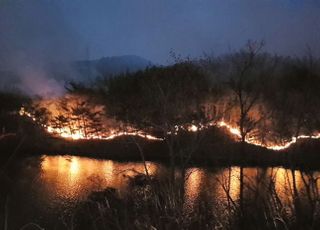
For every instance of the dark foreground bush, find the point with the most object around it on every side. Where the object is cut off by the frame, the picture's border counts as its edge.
(151, 203)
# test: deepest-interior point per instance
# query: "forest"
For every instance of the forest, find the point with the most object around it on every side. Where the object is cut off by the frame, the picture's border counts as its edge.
(270, 99)
(246, 109)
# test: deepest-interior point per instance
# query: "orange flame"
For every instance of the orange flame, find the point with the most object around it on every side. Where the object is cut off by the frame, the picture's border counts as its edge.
(236, 132)
(78, 134)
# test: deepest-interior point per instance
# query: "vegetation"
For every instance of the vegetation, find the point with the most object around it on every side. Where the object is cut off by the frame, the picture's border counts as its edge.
(269, 99)
(10, 104)
(158, 204)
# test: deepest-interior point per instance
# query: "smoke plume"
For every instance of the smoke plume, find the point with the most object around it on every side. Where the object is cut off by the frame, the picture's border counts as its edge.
(35, 42)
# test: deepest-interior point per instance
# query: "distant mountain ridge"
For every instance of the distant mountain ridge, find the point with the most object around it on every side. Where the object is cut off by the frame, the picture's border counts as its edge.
(108, 66)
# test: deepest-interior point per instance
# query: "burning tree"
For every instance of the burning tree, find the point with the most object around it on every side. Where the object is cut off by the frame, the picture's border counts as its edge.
(85, 118)
(70, 116)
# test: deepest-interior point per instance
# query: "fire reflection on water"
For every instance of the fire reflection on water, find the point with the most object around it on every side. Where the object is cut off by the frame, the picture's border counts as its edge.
(74, 178)
(74, 166)
(192, 186)
(224, 185)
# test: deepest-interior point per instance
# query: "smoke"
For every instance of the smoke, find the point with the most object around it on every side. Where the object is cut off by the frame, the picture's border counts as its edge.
(38, 37)
(35, 44)
(36, 82)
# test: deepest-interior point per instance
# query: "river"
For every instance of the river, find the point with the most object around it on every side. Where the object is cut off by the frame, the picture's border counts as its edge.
(45, 190)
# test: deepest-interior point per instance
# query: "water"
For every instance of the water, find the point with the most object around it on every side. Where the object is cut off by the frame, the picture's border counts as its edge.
(45, 190)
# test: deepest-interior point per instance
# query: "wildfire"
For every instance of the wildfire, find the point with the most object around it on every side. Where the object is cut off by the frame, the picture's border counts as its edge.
(78, 133)
(236, 132)
(231, 129)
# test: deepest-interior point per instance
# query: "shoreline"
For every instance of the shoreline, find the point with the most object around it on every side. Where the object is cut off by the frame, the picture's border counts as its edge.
(304, 155)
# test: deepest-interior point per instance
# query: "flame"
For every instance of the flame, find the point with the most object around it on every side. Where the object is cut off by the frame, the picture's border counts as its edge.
(231, 129)
(77, 134)
(236, 132)
(192, 128)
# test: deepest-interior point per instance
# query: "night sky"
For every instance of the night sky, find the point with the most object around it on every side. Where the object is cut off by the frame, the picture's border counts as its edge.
(37, 33)
(77, 29)
(151, 28)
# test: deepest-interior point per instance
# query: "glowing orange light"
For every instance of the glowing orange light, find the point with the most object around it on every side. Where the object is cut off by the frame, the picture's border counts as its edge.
(192, 128)
(77, 133)
(276, 147)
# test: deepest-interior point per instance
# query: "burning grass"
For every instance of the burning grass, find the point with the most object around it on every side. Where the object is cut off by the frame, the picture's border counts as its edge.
(78, 117)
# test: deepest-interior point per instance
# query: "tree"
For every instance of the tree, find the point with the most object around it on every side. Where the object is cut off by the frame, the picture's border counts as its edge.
(245, 83)
(10, 104)
(164, 99)
(294, 99)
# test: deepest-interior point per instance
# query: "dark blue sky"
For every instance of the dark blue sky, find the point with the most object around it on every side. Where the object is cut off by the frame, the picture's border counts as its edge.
(151, 28)
(63, 29)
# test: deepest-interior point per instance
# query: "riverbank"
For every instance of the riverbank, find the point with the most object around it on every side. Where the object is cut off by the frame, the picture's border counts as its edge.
(214, 148)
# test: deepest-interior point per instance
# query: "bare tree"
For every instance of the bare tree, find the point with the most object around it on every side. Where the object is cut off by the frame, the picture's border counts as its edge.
(245, 85)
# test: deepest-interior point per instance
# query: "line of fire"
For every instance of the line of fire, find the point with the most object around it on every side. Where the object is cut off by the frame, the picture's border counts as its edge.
(247, 95)
(76, 116)
(159, 115)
